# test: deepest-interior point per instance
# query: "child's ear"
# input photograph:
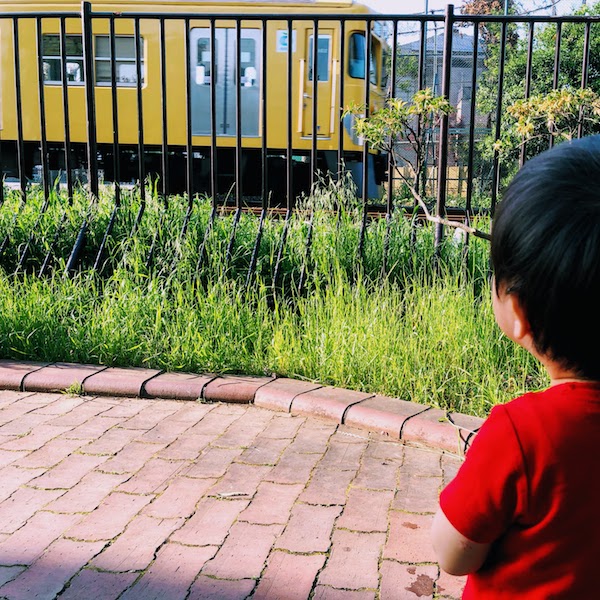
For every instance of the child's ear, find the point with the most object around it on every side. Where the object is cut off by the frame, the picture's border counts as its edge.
(521, 330)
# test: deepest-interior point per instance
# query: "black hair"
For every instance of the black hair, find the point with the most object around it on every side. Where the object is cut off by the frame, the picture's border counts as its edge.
(546, 249)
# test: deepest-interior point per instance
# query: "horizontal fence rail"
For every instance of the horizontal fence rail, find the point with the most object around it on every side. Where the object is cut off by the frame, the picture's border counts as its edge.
(249, 112)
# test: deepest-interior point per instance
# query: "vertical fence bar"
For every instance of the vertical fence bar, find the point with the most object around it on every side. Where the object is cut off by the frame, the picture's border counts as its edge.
(499, 98)
(585, 64)
(163, 91)
(115, 112)
(140, 117)
(90, 102)
(523, 153)
(65, 100)
(556, 70)
(289, 139)
(340, 157)
(315, 103)
(19, 109)
(42, 99)
(444, 123)
(189, 173)
(365, 150)
(472, 112)
(238, 114)
(213, 115)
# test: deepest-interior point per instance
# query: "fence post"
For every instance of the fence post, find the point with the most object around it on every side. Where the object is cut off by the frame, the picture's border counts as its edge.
(90, 107)
(444, 126)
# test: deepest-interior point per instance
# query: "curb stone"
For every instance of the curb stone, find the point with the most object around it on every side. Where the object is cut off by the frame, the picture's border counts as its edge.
(390, 417)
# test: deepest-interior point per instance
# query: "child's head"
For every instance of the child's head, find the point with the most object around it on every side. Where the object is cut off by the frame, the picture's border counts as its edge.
(546, 250)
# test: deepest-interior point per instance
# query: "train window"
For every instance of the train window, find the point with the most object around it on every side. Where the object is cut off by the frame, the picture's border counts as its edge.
(248, 73)
(51, 59)
(357, 54)
(322, 58)
(203, 64)
(124, 60)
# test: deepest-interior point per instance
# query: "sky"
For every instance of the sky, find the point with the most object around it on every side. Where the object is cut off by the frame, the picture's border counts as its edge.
(418, 6)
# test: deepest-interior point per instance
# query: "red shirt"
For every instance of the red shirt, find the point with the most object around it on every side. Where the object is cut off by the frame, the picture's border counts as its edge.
(531, 486)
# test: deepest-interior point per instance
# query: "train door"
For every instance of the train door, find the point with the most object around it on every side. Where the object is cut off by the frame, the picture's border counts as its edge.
(325, 80)
(225, 79)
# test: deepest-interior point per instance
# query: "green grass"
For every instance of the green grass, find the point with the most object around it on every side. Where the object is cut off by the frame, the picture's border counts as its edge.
(417, 332)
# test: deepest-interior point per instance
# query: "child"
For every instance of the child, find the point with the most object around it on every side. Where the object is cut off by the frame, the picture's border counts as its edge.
(522, 517)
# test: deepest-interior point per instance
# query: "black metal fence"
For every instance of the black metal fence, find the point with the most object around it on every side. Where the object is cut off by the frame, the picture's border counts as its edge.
(449, 53)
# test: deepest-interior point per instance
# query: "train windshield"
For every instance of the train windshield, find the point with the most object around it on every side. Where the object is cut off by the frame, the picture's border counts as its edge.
(357, 56)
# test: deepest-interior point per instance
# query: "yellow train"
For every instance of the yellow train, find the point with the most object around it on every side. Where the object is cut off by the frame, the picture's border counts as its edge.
(160, 90)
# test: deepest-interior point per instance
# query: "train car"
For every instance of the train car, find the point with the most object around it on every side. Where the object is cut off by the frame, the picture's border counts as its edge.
(223, 80)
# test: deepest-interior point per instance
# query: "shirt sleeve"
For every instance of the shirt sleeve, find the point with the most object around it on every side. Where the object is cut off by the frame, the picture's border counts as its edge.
(490, 489)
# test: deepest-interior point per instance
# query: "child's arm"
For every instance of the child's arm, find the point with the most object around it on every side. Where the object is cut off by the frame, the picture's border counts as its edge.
(456, 554)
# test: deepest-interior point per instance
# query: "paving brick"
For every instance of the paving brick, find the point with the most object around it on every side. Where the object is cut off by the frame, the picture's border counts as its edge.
(24, 424)
(50, 454)
(272, 504)
(110, 518)
(111, 442)
(234, 388)
(309, 529)
(243, 432)
(208, 588)
(216, 422)
(327, 402)
(409, 539)
(450, 466)
(293, 467)
(69, 472)
(8, 457)
(353, 560)
(288, 576)
(313, 437)
(264, 451)
(240, 480)
(178, 386)
(167, 430)
(13, 372)
(134, 549)
(448, 586)
(99, 585)
(82, 413)
(377, 474)
(131, 458)
(432, 428)
(62, 405)
(115, 381)
(36, 439)
(49, 574)
(8, 397)
(152, 476)
(382, 414)
(422, 461)
(16, 510)
(417, 494)
(213, 462)
(366, 510)
(280, 393)
(179, 498)
(236, 559)
(9, 573)
(126, 407)
(187, 446)
(12, 478)
(327, 486)
(348, 434)
(87, 495)
(211, 522)
(342, 456)
(171, 574)
(94, 428)
(58, 377)
(406, 582)
(467, 426)
(324, 592)
(28, 543)
(283, 427)
(151, 415)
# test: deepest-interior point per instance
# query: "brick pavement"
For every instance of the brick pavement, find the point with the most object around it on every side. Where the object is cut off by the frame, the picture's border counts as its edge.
(106, 498)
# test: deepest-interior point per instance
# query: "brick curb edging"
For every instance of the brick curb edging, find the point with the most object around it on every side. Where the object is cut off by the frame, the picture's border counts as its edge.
(398, 419)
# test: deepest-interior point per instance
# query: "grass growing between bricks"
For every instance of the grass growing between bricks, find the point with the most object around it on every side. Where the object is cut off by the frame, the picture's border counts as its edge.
(415, 332)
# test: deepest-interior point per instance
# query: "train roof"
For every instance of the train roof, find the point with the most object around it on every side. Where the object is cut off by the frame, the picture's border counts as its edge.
(214, 6)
